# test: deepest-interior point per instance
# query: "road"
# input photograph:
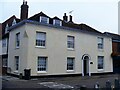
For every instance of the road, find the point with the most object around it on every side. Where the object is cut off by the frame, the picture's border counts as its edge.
(71, 83)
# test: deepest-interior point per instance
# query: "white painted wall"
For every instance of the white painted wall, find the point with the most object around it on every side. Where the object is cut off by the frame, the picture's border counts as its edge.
(56, 50)
(21, 52)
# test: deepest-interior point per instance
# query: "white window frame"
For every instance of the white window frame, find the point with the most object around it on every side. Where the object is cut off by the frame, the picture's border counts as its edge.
(6, 28)
(73, 64)
(70, 42)
(41, 40)
(4, 62)
(100, 43)
(44, 21)
(102, 59)
(57, 24)
(14, 22)
(42, 68)
(17, 62)
(17, 40)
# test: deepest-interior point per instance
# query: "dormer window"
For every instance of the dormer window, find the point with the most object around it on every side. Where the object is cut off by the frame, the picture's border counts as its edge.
(6, 28)
(14, 22)
(57, 22)
(44, 19)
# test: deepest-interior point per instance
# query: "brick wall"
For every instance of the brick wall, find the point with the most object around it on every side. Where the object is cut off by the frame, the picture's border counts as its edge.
(116, 47)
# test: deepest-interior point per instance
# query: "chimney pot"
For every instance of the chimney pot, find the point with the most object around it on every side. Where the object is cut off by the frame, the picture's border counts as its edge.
(25, 2)
(70, 18)
(65, 17)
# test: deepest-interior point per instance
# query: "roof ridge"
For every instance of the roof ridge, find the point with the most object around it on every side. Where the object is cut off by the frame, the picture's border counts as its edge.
(9, 18)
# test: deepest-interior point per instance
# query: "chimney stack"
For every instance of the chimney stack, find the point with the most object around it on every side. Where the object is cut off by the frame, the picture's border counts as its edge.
(24, 10)
(65, 17)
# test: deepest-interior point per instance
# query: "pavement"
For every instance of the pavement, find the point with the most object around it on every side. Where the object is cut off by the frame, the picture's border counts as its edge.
(57, 83)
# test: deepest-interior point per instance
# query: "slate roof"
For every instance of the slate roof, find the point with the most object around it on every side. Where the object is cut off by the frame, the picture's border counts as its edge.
(36, 16)
(53, 26)
(115, 37)
(56, 18)
(64, 23)
(9, 22)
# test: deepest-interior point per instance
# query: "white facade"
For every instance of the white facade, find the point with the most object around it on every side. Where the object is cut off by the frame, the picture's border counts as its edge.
(56, 51)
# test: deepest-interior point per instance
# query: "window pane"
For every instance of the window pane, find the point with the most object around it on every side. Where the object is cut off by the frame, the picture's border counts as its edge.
(16, 62)
(40, 39)
(17, 39)
(14, 22)
(100, 62)
(100, 43)
(57, 22)
(100, 46)
(41, 63)
(4, 62)
(70, 42)
(100, 40)
(4, 42)
(6, 28)
(44, 19)
(40, 36)
(70, 63)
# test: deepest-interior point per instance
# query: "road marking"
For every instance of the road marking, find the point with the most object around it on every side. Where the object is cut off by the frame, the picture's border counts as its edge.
(56, 85)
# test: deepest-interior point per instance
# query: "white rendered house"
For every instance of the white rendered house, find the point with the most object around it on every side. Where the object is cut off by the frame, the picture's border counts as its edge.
(48, 46)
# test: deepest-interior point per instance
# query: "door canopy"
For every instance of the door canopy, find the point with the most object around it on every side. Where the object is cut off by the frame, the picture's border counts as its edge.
(86, 57)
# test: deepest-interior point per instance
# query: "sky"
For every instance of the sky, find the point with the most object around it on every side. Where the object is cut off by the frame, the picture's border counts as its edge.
(102, 15)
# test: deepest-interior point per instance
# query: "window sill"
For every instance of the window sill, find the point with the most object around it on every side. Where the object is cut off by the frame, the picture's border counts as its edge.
(4, 66)
(70, 71)
(4, 53)
(100, 70)
(43, 47)
(101, 50)
(41, 71)
(17, 47)
(16, 72)
(70, 49)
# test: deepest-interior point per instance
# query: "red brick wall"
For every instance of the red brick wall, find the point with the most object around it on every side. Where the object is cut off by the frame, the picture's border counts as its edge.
(115, 47)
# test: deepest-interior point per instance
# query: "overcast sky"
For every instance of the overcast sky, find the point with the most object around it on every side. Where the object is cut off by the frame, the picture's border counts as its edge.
(99, 14)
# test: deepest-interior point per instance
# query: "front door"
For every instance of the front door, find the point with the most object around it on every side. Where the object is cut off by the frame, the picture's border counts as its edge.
(85, 67)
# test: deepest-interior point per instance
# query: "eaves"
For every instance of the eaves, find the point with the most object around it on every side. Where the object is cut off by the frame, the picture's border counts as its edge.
(53, 26)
